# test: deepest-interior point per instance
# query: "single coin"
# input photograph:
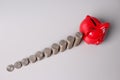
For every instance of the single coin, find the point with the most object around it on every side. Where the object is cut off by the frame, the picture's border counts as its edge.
(78, 38)
(55, 48)
(47, 52)
(10, 68)
(70, 40)
(17, 64)
(63, 45)
(25, 61)
(32, 58)
(39, 55)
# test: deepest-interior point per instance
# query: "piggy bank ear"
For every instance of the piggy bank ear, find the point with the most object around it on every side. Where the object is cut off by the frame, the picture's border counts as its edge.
(105, 25)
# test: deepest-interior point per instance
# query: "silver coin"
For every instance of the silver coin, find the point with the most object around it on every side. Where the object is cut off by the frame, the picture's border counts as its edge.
(32, 58)
(63, 45)
(70, 40)
(78, 38)
(25, 61)
(39, 55)
(55, 48)
(47, 52)
(10, 68)
(17, 64)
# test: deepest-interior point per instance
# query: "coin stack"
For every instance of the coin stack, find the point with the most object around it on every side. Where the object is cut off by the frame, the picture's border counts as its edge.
(55, 48)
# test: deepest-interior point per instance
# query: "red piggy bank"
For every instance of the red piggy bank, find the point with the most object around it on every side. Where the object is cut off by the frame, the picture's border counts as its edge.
(93, 30)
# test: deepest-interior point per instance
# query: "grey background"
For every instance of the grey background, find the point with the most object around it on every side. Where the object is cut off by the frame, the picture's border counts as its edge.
(27, 26)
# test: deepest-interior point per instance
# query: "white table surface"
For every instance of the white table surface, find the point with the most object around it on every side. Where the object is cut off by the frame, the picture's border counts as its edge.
(27, 26)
